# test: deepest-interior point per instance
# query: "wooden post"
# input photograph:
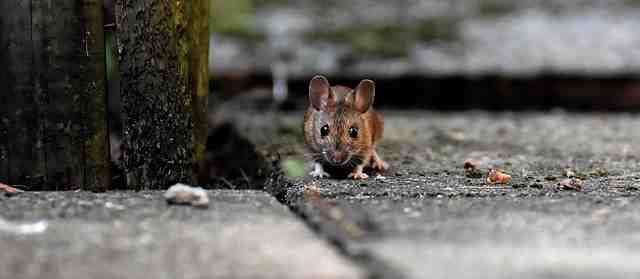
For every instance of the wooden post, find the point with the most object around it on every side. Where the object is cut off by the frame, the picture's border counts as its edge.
(162, 96)
(4, 110)
(54, 124)
(199, 73)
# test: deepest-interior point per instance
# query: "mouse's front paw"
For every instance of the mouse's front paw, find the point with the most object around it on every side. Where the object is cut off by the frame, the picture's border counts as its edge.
(379, 166)
(319, 174)
(358, 175)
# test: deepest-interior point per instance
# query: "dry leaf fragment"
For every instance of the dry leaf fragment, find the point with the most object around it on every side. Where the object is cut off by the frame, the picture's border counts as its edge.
(498, 177)
(471, 168)
(571, 184)
(471, 164)
(312, 193)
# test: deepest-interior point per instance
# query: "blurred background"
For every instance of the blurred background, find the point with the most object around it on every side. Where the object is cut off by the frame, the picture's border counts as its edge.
(454, 55)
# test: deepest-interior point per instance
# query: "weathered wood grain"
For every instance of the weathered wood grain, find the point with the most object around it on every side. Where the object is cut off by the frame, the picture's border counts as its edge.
(24, 143)
(55, 102)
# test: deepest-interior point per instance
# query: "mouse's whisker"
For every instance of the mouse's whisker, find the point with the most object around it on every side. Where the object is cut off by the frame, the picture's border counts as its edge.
(311, 154)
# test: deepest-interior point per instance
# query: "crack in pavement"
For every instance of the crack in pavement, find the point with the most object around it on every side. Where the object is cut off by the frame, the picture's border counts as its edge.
(342, 227)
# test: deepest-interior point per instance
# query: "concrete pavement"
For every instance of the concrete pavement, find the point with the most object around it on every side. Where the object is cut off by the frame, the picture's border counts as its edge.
(428, 218)
(244, 234)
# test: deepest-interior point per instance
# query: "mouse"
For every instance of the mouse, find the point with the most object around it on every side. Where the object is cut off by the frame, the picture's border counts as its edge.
(341, 129)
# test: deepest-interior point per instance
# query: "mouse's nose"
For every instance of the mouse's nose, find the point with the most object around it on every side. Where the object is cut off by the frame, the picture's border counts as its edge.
(338, 157)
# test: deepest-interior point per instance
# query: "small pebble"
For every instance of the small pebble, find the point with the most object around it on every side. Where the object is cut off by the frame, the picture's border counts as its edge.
(185, 194)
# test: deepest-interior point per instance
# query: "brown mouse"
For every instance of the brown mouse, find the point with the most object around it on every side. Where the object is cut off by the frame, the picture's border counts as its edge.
(341, 128)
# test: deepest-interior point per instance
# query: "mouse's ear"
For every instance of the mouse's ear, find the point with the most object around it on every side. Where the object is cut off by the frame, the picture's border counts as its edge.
(320, 94)
(364, 95)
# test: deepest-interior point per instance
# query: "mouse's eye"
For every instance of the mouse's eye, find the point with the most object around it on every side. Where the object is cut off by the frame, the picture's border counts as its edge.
(353, 132)
(324, 131)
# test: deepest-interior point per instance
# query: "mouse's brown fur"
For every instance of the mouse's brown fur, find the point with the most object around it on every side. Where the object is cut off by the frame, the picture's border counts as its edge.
(343, 110)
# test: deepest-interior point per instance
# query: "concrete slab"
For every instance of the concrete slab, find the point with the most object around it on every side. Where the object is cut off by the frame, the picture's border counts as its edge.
(244, 234)
(546, 237)
(430, 219)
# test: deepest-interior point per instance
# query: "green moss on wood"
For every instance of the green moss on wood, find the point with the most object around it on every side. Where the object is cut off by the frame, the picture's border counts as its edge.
(198, 30)
(97, 172)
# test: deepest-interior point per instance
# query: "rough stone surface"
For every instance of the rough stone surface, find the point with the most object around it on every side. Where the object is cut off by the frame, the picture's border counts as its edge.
(427, 218)
(137, 235)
